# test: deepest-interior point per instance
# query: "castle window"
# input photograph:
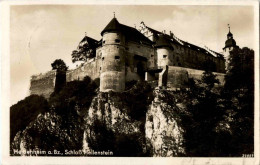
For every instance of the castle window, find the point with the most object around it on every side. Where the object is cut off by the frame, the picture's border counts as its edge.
(100, 68)
(117, 57)
(164, 56)
(104, 41)
(127, 48)
(103, 58)
(151, 55)
(117, 40)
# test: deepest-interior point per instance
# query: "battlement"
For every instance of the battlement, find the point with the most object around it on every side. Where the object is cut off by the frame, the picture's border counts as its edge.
(43, 75)
(43, 84)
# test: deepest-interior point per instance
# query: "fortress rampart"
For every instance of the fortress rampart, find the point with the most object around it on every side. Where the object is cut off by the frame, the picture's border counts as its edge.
(178, 76)
(90, 68)
(43, 84)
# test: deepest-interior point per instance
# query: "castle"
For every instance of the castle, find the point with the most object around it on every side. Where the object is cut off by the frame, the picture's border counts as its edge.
(125, 53)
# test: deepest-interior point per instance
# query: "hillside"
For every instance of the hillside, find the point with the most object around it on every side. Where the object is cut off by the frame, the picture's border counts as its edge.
(141, 121)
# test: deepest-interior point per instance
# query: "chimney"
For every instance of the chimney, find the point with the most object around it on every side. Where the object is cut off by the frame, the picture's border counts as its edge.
(171, 34)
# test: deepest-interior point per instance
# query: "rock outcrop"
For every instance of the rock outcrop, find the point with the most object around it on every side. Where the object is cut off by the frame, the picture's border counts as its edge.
(111, 125)
(110, 112)
(47, 134)
(163, 130)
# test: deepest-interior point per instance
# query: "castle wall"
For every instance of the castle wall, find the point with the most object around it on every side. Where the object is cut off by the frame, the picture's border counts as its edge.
(178, 76)
(90, 68)
(142, 50)
(43, 84)
(132, 50)
(190, 58)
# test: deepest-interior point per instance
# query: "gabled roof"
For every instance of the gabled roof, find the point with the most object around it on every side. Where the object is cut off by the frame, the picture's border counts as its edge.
(92, 43)
(133, 34)
(178, 41)
(130, 33)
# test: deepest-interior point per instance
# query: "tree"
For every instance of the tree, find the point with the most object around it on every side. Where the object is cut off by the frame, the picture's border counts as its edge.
(239, 95)
(26, 111)
(86, 49)
(205, 113)
(61, 68)
(240, 72)
(60, 65)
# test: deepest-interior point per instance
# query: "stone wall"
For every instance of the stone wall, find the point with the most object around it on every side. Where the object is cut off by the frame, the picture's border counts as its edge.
(142, 50)
(187, 57)
(134, 53)
(43, 84)
(178, 76)
(90, 68)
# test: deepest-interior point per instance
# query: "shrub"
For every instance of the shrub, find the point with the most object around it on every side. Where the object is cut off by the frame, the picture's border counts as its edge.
(26, 111)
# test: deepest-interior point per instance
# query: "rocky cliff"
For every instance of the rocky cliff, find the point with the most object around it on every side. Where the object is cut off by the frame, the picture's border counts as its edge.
(163, 128)
(137, 122)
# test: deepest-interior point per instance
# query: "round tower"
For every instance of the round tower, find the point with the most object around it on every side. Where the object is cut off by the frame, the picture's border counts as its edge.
(164, 51)
(230, 45)
(112, 77)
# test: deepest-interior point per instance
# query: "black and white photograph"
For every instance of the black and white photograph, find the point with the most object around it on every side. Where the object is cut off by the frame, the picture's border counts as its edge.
(132, 80)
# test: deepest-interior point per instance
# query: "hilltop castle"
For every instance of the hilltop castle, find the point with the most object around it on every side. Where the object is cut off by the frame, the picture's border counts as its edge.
(125, 53)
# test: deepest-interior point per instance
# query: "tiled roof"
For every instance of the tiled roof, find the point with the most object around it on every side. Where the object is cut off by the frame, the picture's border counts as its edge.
(133, 34)
(92, 43)
(113, 25)
(186, 44)
(130, 33)
(163, 41)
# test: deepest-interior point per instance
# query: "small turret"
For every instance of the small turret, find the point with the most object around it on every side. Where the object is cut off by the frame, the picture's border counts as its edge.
(230, 44)
(164, 51)
(113, 58)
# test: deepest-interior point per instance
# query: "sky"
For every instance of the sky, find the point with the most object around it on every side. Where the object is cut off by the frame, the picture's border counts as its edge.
(39, 34)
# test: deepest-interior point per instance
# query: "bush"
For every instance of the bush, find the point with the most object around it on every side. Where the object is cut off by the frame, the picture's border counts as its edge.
(74, 94)
(26, 111)
(138, 98)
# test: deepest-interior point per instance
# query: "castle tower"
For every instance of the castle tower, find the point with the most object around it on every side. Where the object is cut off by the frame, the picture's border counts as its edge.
(164, 51)
(112, 76)
(230, 45)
